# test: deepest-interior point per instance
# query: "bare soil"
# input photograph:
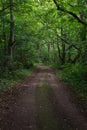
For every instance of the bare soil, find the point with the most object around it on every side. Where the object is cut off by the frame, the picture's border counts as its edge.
(41, 102)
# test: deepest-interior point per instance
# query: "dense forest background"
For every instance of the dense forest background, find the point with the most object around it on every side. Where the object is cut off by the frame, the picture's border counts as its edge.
(50, 32)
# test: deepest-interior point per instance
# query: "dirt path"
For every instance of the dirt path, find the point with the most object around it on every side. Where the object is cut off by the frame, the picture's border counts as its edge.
(41, 102)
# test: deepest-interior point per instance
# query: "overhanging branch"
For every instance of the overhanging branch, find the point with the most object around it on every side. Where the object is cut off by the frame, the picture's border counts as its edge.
(69, 12)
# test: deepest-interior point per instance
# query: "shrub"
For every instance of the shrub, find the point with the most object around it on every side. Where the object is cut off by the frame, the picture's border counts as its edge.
(76, 76)
(17, 65)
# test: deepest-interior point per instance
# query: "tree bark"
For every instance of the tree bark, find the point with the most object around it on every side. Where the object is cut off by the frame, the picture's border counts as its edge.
(63, 49)
(11, 38)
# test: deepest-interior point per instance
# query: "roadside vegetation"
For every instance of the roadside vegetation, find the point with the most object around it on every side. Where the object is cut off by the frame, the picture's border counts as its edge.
(13, 77)
(48, 32)
(76, 76)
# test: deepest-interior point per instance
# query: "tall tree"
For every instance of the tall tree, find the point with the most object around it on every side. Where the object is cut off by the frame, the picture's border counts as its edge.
(11, 37)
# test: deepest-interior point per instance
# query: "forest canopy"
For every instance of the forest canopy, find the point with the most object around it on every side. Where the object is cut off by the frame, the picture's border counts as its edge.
(42, 31)
(50, 32)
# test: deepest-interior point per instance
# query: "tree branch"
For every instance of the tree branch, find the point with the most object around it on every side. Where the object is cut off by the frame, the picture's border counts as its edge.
(69, 12)
(72, 45)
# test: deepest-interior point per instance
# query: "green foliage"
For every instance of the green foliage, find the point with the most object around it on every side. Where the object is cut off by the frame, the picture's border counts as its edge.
(17, 65)
(43, 34)
(10, 78)
(76, 76)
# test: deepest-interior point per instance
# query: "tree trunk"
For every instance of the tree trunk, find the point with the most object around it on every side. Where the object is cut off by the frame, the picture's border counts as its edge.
(4, 61)
(63, 49)
(58, 47)
(54, 53)
(48, 46)
(11, 38)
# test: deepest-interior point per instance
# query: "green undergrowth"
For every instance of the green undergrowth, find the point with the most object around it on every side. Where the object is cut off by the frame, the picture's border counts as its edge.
(10, 78)
(76, 76)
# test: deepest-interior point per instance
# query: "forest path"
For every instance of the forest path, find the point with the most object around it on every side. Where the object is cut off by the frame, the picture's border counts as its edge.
(41, 102)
